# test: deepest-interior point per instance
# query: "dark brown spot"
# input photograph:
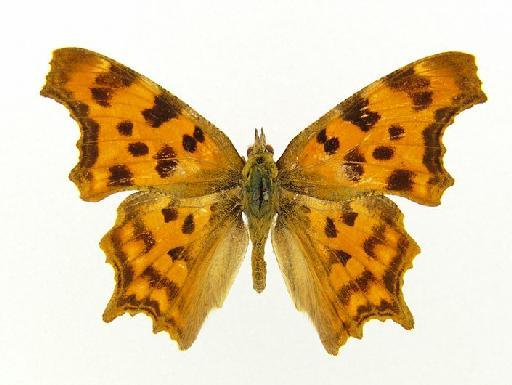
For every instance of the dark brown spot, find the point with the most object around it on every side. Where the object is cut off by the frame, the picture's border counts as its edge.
(356, 112)
(170, 214)
(331, 145)
(89, 154)
(138, 149)
(116, 77)
(198, 134)
(349, 217)
(120, 175)
(406, 80)
(165, 163)
(395, 132)
(176, 253)
(363, 280)
(400, 180)
(165, 168)
(346, 291)
(163, 110)
(321, 137)
(383, 153)
(147, 238)
(385, 305)
(79, 109)
(421, 100)
(125, 128)
(189, 143)
(416, 87)
(102, 96)
(369, 245)
(330, 228)
(354, 156)
(153, 276)
(172, 290)
(352, 166)
(128, 301)
(353, 172)
(158, 281)
(342, 256)
(166, 152)
(188, 225)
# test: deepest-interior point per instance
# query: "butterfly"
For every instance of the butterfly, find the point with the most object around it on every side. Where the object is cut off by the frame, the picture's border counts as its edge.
(340, 243)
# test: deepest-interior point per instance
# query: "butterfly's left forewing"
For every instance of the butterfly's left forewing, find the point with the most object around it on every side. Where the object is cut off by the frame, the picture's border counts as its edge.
(134, 133)
(175, 259)
(343, 262)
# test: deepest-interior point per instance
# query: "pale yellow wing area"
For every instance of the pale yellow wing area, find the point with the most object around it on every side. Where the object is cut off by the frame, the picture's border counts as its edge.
(135, 134)
(343, 262)
(388, 136)
(175, 259)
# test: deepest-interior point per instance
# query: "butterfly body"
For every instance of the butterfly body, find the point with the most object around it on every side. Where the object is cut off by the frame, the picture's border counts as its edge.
(340, 242)
(259, 177)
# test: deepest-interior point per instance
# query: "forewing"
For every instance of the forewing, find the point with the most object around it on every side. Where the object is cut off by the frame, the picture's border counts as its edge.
(388, 136)
(135, 134)
(175, 259)
(344, 262)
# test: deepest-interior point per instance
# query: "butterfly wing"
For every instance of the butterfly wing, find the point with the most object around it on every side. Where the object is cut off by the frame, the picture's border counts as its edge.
(135, 134)
(175, 259)
(343, 262)
(386, 137)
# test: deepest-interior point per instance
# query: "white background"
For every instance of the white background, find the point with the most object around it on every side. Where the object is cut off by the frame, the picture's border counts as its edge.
(247, 64)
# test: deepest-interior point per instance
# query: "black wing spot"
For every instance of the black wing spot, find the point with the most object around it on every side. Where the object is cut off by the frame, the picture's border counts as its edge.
(120, 175)
(138, 148)
(176, 253)
(383, 153)
(330, 228)
(321, 137)
(170, 214)
(357, 113)
(343, 256)
(331, 145)
(188, 225)
(198, 134)
(400, 180)
(395, 132)
(163, 110)
(125, 128)
(102, 96)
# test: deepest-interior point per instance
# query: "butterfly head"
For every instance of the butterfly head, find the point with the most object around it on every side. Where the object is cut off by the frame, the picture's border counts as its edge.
(260, 145)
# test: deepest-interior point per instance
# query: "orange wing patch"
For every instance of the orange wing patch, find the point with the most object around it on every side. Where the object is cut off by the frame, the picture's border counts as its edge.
(387, 137)
(344, 262)
(134, 133)
(174, 259)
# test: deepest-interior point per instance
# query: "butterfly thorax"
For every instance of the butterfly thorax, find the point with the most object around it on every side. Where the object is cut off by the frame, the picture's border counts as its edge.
(259, 177)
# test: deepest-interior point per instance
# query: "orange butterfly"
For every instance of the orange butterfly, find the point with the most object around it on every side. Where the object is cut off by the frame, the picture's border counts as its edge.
(340, 243)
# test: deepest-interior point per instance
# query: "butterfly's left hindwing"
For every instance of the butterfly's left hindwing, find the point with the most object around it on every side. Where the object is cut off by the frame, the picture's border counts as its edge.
(135, 134)
(343, 262)
(175, 259)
